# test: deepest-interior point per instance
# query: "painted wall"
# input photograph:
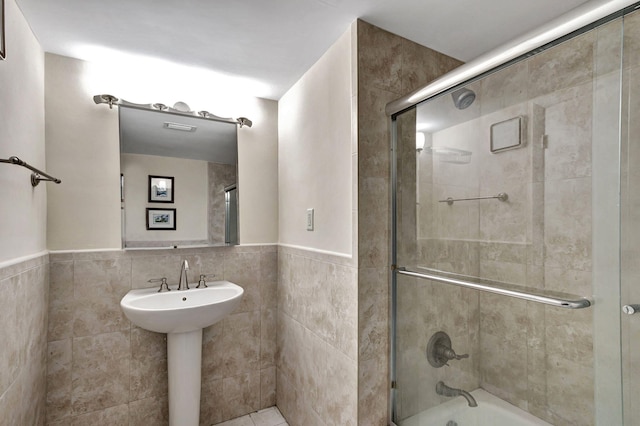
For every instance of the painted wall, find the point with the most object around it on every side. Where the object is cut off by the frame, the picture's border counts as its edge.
(317, 277)
(24, 280)
(23, 209)
(83, 148)
(314, 154)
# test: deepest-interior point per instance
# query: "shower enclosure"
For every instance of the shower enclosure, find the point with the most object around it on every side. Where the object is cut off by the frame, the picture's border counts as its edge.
(517, 234)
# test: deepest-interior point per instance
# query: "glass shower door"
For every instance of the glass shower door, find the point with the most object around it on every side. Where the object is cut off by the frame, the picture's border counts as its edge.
(516, 193)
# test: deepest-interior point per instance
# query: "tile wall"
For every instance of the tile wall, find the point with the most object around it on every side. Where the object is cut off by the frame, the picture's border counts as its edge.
(317, 338)
(23, 354)
(103, 370)
(389, 67)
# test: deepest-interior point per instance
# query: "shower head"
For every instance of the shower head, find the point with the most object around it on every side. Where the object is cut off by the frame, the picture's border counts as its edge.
(463, 98)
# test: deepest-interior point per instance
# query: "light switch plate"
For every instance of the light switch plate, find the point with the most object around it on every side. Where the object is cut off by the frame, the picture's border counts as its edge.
(309, 219)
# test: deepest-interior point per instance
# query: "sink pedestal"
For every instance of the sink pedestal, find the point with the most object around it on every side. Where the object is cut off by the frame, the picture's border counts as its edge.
(184, 359)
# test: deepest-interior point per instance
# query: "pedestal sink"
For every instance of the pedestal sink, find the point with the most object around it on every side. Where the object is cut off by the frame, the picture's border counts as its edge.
(182, 314)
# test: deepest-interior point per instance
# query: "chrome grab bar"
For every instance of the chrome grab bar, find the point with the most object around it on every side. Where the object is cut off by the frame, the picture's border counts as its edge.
(561, 300)
(501, 196)
(36, 176)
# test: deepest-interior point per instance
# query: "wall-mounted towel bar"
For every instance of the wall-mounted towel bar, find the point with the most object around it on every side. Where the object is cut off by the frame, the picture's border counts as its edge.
(36, 176)
(501, 196)
(547, 297)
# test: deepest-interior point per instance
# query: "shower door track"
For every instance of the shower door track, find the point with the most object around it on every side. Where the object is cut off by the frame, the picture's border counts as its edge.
(560, 300)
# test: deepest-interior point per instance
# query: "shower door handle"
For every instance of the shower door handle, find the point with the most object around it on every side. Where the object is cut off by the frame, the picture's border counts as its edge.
(631, 309)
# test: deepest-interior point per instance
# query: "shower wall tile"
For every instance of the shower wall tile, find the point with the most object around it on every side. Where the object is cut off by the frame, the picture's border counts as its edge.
(568, 135)
(23, 361)
(118, 365)
(566, 65)
(388, 68)
(380, 59)
(567, 220)
(421, 65)
(504, 88)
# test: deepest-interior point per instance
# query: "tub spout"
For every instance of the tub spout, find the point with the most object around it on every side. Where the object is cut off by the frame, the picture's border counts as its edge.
(444, 390)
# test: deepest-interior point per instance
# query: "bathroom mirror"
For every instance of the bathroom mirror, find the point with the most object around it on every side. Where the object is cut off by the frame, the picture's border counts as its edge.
(178, 178)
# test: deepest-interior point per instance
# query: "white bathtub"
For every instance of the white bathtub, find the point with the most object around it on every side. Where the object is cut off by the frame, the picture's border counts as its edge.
(491, 411)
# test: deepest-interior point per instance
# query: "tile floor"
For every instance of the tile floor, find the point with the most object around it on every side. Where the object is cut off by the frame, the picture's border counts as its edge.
(267, 417)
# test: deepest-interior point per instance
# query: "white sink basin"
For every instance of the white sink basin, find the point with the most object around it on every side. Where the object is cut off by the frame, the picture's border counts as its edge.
(181, 311)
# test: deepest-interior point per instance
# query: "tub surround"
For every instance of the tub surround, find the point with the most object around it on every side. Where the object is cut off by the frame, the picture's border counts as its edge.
(389, 67)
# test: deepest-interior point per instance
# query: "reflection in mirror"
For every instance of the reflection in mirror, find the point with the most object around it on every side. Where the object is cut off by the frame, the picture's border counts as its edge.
(199, 155)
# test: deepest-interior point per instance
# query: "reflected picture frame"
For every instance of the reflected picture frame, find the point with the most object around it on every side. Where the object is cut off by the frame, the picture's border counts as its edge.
(161, 219)
(2, 31)
(161, 189)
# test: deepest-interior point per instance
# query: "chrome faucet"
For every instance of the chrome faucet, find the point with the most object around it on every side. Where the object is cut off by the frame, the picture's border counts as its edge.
(444, 390)
(183, 273)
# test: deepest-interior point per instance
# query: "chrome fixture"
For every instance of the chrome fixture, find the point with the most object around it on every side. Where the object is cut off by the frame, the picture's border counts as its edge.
(163, 284)
(202, 283)
(554, 298)
(463, 98)
(546, 35)
(183, 274)
(36, 176)
(631, 309)
(444, 390)
(439, 350)
(501, 196)
(179, 108)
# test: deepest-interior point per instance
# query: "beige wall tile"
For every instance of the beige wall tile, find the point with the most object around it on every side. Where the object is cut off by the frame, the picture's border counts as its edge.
(149, 411)
(240, 395)
(148, 375)
(117, 415)
(211, 402)
(98, 287)
(61, 301)
(565, 65)
(23, 361)
(59, 380)
(267, 387)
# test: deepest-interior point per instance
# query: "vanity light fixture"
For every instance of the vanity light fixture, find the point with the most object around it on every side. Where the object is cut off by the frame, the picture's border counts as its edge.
(179, 126)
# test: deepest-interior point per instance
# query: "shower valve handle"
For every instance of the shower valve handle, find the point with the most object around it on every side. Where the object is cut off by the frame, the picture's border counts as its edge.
(449, 353)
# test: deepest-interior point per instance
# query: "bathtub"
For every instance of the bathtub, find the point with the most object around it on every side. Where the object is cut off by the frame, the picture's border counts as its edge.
(491, 411)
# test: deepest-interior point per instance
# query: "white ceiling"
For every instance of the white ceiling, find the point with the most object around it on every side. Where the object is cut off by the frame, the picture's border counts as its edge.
(273, 42)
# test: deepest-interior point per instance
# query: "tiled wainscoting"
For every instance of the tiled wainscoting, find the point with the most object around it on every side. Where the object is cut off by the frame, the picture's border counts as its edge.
(102, 370)
(23, 315)
(317, 368)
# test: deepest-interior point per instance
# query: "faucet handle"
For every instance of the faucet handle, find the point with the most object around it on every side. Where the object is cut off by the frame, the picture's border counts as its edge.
(163, 284)
(202, 283)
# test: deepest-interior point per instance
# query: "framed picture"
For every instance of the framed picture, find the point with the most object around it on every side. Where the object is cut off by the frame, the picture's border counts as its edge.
(161, 219)
(2, 20)
(160, 189)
